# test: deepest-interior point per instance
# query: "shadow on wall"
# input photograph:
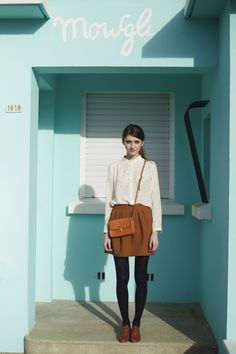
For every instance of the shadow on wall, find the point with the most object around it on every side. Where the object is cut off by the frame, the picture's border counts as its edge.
(183, 38)
(85, 258)
(20, 26)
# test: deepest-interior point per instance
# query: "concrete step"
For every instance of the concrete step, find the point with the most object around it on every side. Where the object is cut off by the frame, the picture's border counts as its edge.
(70, 327)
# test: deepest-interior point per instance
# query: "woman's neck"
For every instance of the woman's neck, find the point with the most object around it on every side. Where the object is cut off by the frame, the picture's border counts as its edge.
(128, 157)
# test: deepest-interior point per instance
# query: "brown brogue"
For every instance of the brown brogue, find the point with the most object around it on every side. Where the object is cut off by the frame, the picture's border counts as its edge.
(124, 334)
(135, 334)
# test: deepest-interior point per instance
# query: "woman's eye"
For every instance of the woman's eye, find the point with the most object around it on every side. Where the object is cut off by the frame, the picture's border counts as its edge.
(136, 142)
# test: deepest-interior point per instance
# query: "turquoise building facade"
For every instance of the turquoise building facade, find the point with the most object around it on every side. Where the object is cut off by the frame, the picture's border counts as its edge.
(51, 240)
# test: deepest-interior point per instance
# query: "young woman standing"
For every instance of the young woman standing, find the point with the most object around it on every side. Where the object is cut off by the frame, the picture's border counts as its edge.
(122, 181)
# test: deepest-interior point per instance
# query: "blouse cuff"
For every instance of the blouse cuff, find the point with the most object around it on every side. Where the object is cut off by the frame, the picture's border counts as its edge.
(159, 229)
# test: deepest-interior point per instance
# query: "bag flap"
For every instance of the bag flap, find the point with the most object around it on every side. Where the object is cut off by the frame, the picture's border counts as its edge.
(118, 224)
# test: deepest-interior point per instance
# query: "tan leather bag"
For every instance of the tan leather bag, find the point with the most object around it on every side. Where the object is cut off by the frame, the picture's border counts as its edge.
(121, 227)
(124, 226)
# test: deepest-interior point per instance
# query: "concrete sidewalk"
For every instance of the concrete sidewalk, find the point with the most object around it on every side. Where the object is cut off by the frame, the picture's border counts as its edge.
(70, 327)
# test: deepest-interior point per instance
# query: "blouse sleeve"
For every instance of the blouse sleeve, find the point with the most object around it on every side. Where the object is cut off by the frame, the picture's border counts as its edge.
(108, 197)
(156, 201)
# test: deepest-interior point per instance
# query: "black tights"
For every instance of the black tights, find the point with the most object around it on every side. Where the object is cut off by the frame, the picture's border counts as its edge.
(122, 276)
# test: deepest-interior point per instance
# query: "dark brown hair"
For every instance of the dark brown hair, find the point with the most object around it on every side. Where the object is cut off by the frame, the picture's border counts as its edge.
(137, 132)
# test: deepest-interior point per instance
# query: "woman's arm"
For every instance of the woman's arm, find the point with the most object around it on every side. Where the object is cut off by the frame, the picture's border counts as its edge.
(107, 242)
(156, 201)
(154, 242)
(108, 208)
(108, 197)
(156, 209)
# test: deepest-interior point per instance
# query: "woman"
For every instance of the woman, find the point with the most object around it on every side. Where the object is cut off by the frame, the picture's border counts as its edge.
(121, 187)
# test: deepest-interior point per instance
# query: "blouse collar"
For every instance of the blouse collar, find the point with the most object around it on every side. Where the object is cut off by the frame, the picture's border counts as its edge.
(138, 158)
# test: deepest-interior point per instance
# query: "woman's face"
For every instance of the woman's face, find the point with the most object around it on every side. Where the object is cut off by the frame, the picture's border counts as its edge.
(132, 146)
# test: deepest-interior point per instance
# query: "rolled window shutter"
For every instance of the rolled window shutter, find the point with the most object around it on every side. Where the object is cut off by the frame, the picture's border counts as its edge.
(107, 114)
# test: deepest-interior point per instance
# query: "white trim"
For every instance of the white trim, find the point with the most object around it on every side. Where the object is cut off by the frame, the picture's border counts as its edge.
(97, 206)
(230, 346)
(172, 147)
(171, 142)
(83, 100)
(201, 211)
(188, 8)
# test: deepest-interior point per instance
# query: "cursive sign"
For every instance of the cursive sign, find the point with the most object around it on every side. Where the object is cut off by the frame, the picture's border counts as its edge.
(80, 26)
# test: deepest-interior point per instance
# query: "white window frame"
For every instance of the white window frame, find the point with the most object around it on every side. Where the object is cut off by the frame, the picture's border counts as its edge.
(83, 117)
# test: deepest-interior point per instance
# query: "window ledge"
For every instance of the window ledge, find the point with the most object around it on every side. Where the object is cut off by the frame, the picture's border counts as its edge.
(230, 346)
(97, 206)
(201, 211)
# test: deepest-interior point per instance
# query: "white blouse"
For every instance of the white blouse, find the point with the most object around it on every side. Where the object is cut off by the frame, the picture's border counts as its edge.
(121, 187)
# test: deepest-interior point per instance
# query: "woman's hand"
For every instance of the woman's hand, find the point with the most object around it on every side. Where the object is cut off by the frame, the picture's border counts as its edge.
(107, 242)
(154, 242)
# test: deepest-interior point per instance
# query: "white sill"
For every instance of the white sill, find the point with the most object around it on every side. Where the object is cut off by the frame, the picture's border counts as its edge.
(230, 346)
(97, 206)
(201, 211)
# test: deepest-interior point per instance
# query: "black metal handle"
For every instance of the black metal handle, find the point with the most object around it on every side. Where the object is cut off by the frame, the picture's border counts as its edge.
(201, 185)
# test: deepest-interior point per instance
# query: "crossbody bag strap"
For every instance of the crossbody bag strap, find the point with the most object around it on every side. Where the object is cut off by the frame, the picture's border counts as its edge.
(138, 188)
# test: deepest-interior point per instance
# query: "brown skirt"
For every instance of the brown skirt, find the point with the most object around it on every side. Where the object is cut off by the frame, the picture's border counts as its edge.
(137, 244)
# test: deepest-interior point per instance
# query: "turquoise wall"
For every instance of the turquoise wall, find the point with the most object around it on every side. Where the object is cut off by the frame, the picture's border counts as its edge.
(231, 312)
(73, 275)
(162, 49)
(32, 209)
(166, 44)
(17, 209)
(45, 195)
(214, 233)
(164, 39)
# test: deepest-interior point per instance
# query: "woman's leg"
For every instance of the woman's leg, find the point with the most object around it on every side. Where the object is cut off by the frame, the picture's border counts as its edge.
(122, 278)
(141, 264)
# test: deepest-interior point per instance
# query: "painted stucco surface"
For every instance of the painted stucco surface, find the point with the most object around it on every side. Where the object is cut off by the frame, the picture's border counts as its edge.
(76, 236)
(231, 312)
(217, 255)
(146, 47)
(16, 227)
(151, 33)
